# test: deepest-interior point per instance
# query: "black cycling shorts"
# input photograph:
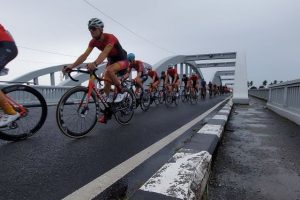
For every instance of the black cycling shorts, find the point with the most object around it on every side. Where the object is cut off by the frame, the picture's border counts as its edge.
(8, 51)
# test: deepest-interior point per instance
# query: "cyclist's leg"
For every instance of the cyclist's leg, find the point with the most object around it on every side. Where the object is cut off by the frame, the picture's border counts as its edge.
(8, 52)
(111, 73)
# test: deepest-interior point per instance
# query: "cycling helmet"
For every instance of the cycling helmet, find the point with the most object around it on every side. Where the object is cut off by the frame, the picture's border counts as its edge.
(95, 22)
(170, 66)
(130, 57)
(148, 67)
(193, 73)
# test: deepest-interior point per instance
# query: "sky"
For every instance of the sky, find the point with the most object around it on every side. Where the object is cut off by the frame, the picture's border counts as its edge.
(54, 32)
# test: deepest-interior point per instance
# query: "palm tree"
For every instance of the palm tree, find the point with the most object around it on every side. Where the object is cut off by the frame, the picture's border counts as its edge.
(265, 83)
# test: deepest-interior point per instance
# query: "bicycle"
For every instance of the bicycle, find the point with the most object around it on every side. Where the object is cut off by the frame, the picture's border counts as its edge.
(79, 108)
(32, 107)
(185, 94)
(172, 96)
(142, 98)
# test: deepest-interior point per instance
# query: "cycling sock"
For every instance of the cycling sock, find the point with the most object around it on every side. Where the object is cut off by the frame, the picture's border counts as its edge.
(7, 108)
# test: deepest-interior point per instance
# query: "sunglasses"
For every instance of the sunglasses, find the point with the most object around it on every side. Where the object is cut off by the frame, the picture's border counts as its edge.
(92, 28)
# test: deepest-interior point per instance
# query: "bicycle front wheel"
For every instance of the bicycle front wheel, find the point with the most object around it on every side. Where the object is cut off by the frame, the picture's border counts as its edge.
(33, 109)
(76, 116)
(124, 110)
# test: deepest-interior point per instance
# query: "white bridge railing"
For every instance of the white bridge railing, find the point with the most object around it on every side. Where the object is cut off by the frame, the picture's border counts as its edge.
(260, 93)
(51, 94)
(283, 98)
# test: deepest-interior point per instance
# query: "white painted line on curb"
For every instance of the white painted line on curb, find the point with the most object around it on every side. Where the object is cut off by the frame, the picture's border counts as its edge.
(224, 111)
(174, 178)
(211, 129)
(95, 187)
(220, 117)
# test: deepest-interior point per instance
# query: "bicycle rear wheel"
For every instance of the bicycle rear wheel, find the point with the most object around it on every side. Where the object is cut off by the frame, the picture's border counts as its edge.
(33, 109)
(74, 115)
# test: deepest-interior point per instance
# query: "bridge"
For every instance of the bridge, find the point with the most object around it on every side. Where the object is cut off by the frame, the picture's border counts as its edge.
(164, 153)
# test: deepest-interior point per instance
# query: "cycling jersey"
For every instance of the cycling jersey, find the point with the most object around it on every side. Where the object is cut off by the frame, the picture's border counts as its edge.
(138, 66)
(163, 77)
(194, 78)
(210, 85)
(172, 72)
(185, 80)
(116, 54)
(153, 74)
(203, 83)
(5, 35)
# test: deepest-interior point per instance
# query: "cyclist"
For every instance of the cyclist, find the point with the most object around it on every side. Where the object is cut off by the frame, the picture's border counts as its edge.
(163, 77)
(111, 49)
(194, 81)
(203, 87)
(185, 80)
(142, 74)
(8, 51)
(155, 80)
(172, 72)
(210, 88)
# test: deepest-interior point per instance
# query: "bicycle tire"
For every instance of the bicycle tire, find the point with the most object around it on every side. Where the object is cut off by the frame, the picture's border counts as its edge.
(145, 100)
(161, 96)
(156, 97)
(36, 107)
(125, 108)
(69, 109)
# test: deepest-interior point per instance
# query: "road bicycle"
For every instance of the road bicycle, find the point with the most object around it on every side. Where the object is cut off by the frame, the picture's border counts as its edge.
(32, 108)
(79, 108)
(142, 99)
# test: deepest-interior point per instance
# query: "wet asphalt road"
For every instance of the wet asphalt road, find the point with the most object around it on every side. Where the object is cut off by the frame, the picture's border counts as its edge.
(50, 166)
(259, 157)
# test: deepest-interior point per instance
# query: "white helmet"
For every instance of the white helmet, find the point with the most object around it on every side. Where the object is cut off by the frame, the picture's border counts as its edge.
(95, 22)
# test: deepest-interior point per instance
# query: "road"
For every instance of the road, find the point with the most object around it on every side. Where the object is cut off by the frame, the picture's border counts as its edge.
(50, 165)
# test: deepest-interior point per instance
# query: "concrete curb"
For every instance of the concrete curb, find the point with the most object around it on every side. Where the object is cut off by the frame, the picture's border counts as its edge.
(186, 174)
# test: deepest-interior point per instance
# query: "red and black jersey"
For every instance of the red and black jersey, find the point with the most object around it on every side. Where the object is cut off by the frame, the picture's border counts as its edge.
(4, 35)
(172, 72)
(138, 66)
(153, 74)
(117, 53)
(194, 78)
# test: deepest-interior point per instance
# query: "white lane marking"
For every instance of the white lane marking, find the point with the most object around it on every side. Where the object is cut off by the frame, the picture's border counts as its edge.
(223, 111)
(220, 117)
(174, 178)
(95, 187)
(211, 129)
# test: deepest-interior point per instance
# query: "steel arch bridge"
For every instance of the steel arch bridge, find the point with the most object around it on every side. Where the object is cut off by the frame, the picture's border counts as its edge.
(186, 64)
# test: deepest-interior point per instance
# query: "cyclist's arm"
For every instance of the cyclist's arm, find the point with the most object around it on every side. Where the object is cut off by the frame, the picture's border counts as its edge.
(103, 54)
(127, 73)
(153, 79)
(82, 58)
(175, 78)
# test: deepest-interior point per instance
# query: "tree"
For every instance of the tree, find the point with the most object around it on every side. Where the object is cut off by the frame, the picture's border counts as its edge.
(265, 82)
(275, 82)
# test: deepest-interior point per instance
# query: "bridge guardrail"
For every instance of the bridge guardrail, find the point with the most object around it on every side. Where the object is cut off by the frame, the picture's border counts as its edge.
(260, 93)
(51, 94)
(284, 99)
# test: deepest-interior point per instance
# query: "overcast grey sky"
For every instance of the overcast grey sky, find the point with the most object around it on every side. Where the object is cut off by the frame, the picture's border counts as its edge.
(268, 30)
